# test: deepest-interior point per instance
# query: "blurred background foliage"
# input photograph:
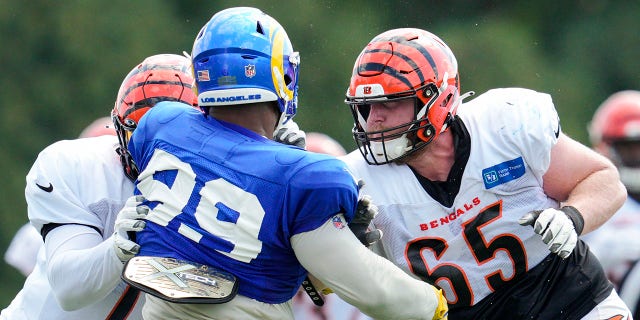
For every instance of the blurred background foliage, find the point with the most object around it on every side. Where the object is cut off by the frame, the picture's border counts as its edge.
(63, 61)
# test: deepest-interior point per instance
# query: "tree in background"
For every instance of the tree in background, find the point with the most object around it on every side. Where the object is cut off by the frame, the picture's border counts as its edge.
(62, 63)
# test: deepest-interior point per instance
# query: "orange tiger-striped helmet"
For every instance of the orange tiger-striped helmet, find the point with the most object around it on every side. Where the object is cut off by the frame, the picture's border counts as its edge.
(405, 63)
(614, 131)
(162, 77)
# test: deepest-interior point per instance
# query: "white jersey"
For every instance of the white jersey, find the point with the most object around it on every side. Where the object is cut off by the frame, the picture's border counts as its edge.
(617, 242)
(76, 183)
(474, 244)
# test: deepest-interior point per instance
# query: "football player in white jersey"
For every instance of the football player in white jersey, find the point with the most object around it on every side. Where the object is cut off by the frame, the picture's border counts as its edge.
(75, 192)
(23, 249)
(615, 133)
(485, 199)
(237, 221)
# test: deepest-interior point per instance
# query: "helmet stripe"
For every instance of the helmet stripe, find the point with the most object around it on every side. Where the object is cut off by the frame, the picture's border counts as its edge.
(374, 66)
(150, 103)
(413, 65)
(413, 44)
(425, 54)
(277, 62)
(163, 82)
(183, 68)
(411, 62)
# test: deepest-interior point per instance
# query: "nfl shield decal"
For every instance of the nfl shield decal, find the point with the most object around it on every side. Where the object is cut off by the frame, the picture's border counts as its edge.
(338, 222)
(250, 70)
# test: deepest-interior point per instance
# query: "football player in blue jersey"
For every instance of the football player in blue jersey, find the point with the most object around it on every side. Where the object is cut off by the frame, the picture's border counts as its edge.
(485, 199)
(237, 221)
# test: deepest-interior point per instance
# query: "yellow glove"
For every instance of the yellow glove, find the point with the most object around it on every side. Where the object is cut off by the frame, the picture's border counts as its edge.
(442, 310)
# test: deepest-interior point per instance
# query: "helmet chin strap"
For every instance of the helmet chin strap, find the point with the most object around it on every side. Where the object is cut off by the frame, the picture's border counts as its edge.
(390, 149)
(282, 121)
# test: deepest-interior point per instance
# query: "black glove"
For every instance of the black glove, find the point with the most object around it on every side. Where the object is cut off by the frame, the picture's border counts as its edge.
(365, 212)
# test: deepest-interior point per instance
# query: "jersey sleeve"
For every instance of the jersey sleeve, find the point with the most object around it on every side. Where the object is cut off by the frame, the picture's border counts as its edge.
(53, 186)
(529, 121)
(321, 190)
(360, 277)
(81, 267)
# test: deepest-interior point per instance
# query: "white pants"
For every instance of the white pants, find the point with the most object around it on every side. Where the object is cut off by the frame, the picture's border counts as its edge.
(610, 308)
(240, 307)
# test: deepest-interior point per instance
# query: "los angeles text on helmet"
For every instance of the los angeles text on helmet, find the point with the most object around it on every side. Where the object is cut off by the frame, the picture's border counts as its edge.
(230, 98)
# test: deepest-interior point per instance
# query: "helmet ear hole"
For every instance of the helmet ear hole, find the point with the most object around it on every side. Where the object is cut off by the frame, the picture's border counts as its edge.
(259, 28)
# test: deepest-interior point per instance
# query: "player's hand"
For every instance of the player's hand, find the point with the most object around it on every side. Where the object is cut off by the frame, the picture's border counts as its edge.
(129, 220)
(365, 212)
(290, 134)
(442, 309)
(559, 228)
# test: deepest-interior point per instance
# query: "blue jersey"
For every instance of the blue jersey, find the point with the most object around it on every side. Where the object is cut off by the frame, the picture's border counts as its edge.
(223, 196)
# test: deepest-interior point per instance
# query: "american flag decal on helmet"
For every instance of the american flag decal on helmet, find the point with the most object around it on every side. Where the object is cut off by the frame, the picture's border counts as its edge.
(203, 75)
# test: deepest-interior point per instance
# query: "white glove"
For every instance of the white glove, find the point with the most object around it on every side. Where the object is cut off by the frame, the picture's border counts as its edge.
(129, 220)
(559, 228)
(365, 212)
(290, 134)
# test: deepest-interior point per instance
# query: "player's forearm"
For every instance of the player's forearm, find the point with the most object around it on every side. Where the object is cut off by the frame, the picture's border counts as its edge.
(82, 268)
(392, 295)
(598, 197)
(369, 282)
(591, 185)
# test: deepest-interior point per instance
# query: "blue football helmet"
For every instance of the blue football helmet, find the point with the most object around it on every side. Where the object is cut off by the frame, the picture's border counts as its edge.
(243, 55)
